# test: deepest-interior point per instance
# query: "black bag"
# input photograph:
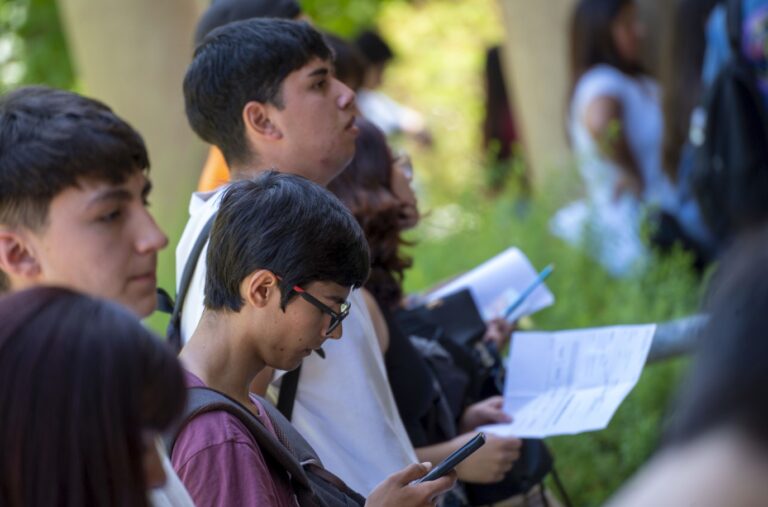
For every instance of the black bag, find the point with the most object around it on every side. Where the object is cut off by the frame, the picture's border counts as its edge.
(313, 485)
(456, 324)
(730, 176)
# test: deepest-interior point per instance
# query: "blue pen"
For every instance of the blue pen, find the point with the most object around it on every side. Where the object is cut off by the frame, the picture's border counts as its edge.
(527, 292)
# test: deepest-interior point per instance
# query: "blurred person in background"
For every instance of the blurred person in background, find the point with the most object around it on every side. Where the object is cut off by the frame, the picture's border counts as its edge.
(391, 117)
(615, 126)
(716, 449)
(500, 131)
(84, 391)
(682, 92)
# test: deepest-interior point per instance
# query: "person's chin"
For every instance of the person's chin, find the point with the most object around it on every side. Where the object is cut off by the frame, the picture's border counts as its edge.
(143, 306)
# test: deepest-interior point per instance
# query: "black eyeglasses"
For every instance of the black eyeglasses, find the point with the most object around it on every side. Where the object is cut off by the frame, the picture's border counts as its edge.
(336, 318)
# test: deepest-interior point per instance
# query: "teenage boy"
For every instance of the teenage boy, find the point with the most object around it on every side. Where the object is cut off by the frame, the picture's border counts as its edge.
(264, 92)
(284, 256)
(73, 208)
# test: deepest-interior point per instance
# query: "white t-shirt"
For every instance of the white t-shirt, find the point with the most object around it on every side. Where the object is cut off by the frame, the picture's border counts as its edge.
(172, 493)
(344, 406)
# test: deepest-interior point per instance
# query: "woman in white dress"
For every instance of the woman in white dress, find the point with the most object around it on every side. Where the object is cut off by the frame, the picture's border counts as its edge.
(615, 125)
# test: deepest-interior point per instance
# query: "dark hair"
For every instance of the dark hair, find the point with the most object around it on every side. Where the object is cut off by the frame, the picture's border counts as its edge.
(728, 383)
(347, 60)
(681, 76)
(80, 379)
(365, 187)
(591, 39)
(51, 140)
(221, 12)
(288, 225)
(242, 62)
(373, 47)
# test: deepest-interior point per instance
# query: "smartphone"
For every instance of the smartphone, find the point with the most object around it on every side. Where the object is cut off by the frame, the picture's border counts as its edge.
(454, 459)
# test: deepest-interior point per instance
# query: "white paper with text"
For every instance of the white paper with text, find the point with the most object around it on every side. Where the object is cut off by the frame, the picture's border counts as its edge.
(567, 382)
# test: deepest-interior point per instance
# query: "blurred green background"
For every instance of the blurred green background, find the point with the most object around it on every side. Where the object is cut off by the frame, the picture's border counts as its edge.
(440, 50)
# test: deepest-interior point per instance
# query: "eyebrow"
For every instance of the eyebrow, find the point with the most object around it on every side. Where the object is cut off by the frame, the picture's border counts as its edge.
(113, 194)
(320, 71)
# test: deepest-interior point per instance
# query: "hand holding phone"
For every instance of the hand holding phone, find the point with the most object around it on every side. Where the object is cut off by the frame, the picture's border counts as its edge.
(454, 459)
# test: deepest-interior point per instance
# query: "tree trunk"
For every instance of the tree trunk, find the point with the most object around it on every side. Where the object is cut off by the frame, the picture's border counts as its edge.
(132, 54)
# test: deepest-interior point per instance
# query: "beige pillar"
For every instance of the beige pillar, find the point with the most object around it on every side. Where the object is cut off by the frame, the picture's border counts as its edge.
(536, 58)
(132, 55)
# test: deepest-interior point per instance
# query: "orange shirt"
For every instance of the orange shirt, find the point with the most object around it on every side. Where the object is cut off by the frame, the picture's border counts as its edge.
(215, 172)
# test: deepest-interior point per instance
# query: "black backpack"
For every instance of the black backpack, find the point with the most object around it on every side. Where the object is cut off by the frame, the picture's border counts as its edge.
(730, 176)
(313, 485)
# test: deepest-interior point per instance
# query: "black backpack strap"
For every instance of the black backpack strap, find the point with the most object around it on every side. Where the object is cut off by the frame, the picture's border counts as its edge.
(287, 396)
(173, 332)
(734, 17)
(201, 400)
(313, 485)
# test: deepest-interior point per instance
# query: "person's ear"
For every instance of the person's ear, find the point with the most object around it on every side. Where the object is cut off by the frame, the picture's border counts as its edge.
(17, 257)
(260, 288)
(257, 119)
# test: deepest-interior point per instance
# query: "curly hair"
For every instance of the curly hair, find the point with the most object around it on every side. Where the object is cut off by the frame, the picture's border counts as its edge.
(365, 187)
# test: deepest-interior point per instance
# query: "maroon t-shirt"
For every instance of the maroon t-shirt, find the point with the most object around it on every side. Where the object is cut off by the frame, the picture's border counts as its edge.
(221, 464)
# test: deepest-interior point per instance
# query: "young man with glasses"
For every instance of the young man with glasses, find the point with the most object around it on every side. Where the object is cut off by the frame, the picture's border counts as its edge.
(284, 257)
(263, 91)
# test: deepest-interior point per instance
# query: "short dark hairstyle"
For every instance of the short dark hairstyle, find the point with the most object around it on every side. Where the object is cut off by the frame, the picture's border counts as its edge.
(80, 379)
(288, 225)
(242, 62)
(728, 384)
(221, 12)
(373, 47)
(51, 140)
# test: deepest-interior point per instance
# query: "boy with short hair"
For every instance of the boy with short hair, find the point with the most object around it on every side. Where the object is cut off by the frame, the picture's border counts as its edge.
(264, 92)
(285, 254)
(73, 208)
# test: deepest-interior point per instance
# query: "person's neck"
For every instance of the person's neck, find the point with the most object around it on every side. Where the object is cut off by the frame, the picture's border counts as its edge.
(245, 172)
(216, 353)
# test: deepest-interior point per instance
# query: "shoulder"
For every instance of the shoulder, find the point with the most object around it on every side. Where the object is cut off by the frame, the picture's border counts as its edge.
(212, 431)
(377, 318)
(601, 80)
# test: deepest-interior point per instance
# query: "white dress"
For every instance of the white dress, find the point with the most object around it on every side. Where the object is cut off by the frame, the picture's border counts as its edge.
(610, 227)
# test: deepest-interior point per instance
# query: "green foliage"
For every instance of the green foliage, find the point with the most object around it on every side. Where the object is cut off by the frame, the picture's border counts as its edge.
(32, 45)
(342, 17)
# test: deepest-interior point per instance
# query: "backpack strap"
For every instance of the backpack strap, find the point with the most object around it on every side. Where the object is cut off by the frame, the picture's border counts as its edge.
(287, 395)
(173, 332)
(201, 400)
(734, 19)
(313, 485)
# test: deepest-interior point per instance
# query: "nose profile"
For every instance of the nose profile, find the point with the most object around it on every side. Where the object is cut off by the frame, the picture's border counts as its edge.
(150, 238)
(336, 333)
(346, 98)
